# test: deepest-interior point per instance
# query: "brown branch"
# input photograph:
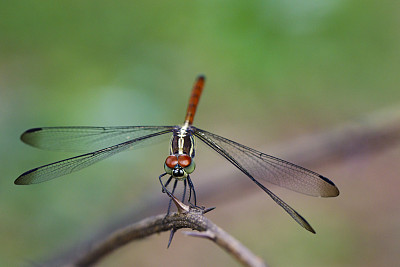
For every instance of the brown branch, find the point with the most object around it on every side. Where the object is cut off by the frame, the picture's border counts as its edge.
(185, 218)
(368, 135)
(229, 244)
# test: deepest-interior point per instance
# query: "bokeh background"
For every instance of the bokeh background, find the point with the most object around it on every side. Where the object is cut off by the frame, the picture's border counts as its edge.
(276, 71)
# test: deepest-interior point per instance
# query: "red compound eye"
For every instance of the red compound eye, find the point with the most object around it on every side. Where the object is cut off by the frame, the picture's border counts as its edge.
(184, 160)
(171, 161)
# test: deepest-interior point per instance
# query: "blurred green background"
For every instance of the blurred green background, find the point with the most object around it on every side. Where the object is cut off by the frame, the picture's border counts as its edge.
(276, 70)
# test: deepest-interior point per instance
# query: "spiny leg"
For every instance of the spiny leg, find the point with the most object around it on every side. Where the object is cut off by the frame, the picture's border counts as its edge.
(168, 181)
(190, 193)
(174, 187)
(184, 190)
(191, 188)
(172, 193)
(164, 189)
(173, 230)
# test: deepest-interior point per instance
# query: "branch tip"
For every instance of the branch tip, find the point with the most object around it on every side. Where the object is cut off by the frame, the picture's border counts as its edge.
(206, 234)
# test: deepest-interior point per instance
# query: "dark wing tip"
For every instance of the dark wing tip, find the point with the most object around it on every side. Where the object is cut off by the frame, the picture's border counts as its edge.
(326, 180)
(303, 222)
(33, 130)
(306, 225)
(334, 191)
(27, 132)
(22, 179)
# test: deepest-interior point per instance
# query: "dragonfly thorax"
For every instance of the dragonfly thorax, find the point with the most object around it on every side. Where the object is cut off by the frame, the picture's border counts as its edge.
(179, 166)
(182, 142)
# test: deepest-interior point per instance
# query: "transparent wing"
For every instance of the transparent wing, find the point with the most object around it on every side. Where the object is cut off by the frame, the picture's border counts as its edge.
(63, 167)
(85, 139)
(264, 167)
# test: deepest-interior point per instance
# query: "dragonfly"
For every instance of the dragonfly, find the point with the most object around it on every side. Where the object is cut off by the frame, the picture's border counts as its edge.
(103, 142)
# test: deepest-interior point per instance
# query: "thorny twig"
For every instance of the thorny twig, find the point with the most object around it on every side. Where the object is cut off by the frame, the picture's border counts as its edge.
(368, 135)
(185, 217)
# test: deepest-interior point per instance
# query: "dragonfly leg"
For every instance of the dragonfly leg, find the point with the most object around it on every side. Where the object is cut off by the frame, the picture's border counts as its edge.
(168, 181)
(164, 189)
(191, 189)
(172, 193)
(190, 193)
(184, 190)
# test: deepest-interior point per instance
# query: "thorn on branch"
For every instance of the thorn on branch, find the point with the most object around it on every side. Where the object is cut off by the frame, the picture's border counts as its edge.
(171, 235)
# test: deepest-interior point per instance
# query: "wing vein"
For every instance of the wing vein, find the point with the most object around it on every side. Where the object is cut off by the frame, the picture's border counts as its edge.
(63, 167)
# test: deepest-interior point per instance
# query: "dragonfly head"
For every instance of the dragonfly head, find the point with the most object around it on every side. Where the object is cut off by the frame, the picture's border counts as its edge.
(179, 166)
